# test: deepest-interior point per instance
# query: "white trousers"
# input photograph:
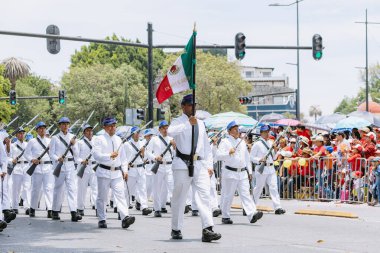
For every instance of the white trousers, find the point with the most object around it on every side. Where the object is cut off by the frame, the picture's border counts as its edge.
(201, 185)
(5, 198)
(230, 185)
(44, 181)
(213, 193)
(271, 181)
(149, 186)
(66, 179)
(161, 189)
(137, 185)
(87, 179)
(117, 186)
(21, 182)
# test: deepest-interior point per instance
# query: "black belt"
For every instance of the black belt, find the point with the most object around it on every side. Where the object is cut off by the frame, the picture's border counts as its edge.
(136, 166)
(150, 162)
(93, 162)
(165, 163)
(22, 162)
(266, 164)
(187, 157)
(235, 169)
(109, 167)
(46, 162)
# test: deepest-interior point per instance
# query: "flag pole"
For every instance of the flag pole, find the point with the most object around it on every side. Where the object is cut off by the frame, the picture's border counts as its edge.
(193, 64)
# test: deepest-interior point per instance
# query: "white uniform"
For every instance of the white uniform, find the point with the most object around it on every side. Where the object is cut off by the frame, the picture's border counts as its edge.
(112, 178)
(5, 187)
(163, 180)
(42, 178)
(3, 169)
(213, 192)
(19, 176)
(180, 130)
(89, 177)
(136, 183)
(269, 174)
(233, 180)
(68, 175)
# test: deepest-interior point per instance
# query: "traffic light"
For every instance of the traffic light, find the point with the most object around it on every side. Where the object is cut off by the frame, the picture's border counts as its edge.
(239, 46)
(53, 45)
(317, 47)
(160, 114)
(12, 97)
(245, 100)
(61, 97)
(140, 114)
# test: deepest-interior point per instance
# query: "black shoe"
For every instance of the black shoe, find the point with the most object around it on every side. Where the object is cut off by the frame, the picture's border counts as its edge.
(27, 211)
(133, 198)
(93, 207)
(164, 210)
(9, 216)
(127, 221)
(55, 215)
(118, 216)
(187, 209)
(168, 203)
(15, 211)
(111, 204)
(49, 214)
(227, 221)
(80, 212)
(32, 212)
(75, 216)
(96, 212)
(244, 213)
(257, 216)
(138, 206)
(208, 235)
(146, 211)
(115, 209)
(194, 213)
(279, 211)
(216, 212)
(176, 234)
(130, 207)
(157, 214)
(3, 225)
(102, 224)
(21, 202)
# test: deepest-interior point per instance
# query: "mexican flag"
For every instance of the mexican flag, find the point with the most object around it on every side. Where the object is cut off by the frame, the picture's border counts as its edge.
(179, 77)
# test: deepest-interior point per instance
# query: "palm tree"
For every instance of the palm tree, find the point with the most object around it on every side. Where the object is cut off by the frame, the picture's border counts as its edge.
(14, 70)
(315, 111)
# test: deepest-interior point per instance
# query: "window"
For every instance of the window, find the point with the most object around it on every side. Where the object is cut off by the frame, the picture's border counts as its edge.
(267, 74)
(278, 100)
(248, 74)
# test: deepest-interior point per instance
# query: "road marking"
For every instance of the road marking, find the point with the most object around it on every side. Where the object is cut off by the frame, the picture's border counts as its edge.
(327, 213)
(260, 208)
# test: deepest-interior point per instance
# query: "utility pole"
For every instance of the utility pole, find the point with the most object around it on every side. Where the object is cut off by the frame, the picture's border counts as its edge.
(150, 74)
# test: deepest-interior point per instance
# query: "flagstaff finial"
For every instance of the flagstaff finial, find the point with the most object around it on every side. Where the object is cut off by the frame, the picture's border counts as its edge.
(195, 27)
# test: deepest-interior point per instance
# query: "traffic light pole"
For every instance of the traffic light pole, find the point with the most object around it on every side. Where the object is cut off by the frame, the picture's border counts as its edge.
(150, 74)
(32, 97)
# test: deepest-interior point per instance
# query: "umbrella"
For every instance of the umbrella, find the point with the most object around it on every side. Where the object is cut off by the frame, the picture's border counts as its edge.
(351, 122)
(200, 114)
(221, 120)
(330, 119)
(272, 117)
(375, 120)
(288, 122)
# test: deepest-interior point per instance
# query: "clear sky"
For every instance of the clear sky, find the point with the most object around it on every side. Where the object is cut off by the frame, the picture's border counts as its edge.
(323, 83)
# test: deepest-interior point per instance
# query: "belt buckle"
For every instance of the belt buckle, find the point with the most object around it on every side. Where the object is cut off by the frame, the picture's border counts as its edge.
(195, 157)
(112, 168)
(238, 169)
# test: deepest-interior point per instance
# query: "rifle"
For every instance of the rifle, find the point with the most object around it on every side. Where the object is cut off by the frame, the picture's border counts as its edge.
(138, 153)
(57, 170)
(123, 140)
(157, 163)
(83, 166)
(55, 130)
(249, 131)
(10, 123)
(31, 169)
(23, 124)
(11, 166)
(216, 136)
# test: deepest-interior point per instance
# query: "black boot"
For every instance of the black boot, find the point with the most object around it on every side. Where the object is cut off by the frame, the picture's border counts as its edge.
(164, 210)
(3, 225)
(102, 224)
(75, 216)
(115, 209)
(216, 212)
(55, 215)
(118, 216)
(195, 213)
(244, 213)
(157, 214)
(21, 202)
(32, 212)
(146, 211)
(80, 212)
(111, 203)
(49, 214)
(227, 221)
(138, 206)
(27, 211)
(187, 208)
(279, 211)
(127, 221)
(257, 216)
(9, 215)
(176, 234)
(208, 235)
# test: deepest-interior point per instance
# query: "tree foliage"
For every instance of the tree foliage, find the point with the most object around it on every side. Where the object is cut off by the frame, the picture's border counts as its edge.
(6, 109)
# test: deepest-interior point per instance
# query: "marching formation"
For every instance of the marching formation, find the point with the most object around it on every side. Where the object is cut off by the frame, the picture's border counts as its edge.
(151, 164)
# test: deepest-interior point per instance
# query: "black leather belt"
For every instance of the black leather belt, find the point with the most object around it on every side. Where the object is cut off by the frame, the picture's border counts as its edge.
(165, 163)
(22, 162)
(93, 162)
(187, 157)
(70, 159)
(267, 164)
(47, 162)
(149, 162)
(235, 169)
(109, 167)
(136, 166)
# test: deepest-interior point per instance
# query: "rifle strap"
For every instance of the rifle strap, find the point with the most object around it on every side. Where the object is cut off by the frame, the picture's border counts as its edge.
(135, 148)
(87, 143)
(66, 145)
(266, 146)
(22, 151)
(166, 144)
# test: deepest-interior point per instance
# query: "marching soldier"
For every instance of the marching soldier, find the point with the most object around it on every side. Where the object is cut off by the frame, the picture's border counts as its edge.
(181, 131)
(109, 152)
(19, 176)
(148, 135)
(89, 178)
(136, 176)
(258, 153)
(42, 178)
(234, 153)
(58, 145)
(3, 161)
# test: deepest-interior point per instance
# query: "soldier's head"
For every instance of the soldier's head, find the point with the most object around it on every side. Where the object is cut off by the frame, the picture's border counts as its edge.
(87, 131)
(64, 124)
(135, 131)
(264, 131)
(163, 128)
(41, 129)
(109, 125)
(233, 129)
(20, 134)
(148, 133)
(187, 104)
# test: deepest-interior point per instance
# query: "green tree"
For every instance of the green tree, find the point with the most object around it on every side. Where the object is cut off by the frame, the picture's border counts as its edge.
(219, 84)
(15, 69)
(101, 87)
(118, 55)
(6, 109)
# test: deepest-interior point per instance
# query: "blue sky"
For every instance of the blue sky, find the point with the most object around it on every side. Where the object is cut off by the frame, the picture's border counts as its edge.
(323, 83)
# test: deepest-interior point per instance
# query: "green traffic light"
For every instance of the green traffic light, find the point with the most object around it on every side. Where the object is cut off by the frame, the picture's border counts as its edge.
(318, 55)
(13, 102)
(61, 101)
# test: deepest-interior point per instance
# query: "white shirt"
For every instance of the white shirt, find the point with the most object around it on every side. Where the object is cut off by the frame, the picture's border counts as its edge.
(21, 167)
(3, 158)
(34, 150)
(157, 147)
(180, 130)
(259, 151)
(240, 159)
(84, 152)
(57, 149)
(103, 146)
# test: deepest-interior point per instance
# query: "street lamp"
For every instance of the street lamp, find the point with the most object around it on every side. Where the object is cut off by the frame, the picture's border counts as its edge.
(298, 55)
